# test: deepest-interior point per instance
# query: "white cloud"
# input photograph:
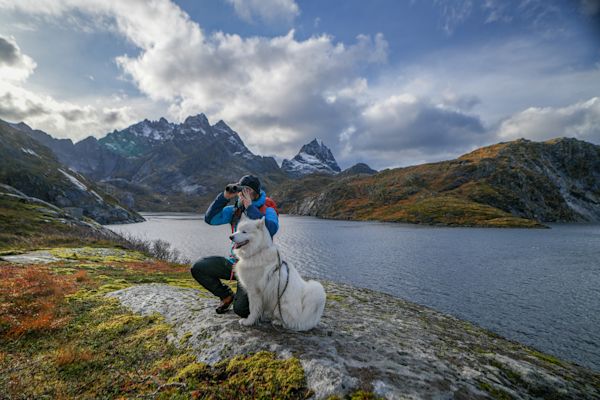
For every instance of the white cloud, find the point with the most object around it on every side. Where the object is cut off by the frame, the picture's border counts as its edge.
(267, 10)
(272, 90)
(580, 120)
(279, 92)
(14, 65)
(454, 13)
(501, 77)
(62, 118)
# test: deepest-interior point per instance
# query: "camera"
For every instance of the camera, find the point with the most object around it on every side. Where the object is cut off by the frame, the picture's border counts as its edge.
(234, 188)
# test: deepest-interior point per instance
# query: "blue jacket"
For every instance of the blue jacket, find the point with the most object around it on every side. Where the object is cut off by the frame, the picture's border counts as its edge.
(220, 213)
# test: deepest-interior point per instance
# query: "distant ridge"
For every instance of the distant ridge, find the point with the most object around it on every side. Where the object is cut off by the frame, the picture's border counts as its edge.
(519, 183)
(358, 169)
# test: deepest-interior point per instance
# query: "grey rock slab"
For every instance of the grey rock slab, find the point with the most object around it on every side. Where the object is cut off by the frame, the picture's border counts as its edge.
(33, 257)
(372, 341)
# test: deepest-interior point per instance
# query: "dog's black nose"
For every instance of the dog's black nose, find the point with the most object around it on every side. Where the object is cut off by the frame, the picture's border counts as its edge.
(231, 237)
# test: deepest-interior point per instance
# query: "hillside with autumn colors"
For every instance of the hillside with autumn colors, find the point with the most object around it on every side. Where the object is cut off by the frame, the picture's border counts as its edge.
(513, 184)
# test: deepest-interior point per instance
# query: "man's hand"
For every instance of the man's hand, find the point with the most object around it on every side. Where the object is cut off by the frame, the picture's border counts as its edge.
(229, 195)
(246, 197)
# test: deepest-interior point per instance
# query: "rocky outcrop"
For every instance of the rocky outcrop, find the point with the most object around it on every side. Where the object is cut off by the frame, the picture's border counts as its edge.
(372, 341)
(43, 213)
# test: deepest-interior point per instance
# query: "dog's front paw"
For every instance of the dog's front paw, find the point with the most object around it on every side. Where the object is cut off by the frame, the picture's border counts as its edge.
(246, 322)
(277, 322)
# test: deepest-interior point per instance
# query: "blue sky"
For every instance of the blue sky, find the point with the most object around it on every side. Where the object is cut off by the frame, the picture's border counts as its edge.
(390, 83)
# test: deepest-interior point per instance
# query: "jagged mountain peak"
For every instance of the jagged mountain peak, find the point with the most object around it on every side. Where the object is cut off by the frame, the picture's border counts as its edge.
(196, 120)
(314, 143)
(313, 157)
(152, 130)
(221, 129)
(22, 126)
(221, 125)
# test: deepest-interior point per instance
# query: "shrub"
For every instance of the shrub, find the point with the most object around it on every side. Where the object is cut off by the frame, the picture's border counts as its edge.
(30, 299)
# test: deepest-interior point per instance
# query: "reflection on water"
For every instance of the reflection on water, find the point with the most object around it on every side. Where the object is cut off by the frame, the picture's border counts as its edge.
(540, 287)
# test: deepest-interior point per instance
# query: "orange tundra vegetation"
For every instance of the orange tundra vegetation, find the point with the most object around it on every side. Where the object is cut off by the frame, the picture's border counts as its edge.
(31, 297)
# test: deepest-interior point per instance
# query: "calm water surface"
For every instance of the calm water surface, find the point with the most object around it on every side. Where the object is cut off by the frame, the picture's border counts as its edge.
(539, 287)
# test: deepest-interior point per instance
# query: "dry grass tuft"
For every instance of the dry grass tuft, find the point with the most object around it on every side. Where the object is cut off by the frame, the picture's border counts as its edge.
(30, 299)
(70, 355)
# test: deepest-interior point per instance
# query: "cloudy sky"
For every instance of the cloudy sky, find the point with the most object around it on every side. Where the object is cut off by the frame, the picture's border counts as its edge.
(386, 82)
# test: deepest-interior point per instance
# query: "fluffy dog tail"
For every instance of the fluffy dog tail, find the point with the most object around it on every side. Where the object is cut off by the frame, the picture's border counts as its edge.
(313, 304)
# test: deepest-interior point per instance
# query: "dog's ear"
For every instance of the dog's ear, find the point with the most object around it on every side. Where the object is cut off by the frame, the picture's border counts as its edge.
(261, 222)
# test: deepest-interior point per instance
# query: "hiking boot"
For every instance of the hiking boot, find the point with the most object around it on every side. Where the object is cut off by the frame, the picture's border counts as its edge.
(225, 304)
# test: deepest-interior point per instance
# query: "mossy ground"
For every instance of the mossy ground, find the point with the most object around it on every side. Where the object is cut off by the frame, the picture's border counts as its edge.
(62, 338)
(30, 226)
(454, 211)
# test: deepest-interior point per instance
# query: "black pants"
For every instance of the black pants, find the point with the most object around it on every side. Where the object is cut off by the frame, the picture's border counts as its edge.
(209, 271)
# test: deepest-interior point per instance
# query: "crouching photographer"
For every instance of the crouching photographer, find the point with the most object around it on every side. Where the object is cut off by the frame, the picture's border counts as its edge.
(251, 200)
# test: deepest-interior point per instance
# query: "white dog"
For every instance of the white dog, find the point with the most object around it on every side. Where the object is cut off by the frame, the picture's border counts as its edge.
(275, 290)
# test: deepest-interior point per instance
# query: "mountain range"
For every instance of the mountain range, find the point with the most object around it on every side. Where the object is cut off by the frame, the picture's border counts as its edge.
(164, 166)
(160, 165)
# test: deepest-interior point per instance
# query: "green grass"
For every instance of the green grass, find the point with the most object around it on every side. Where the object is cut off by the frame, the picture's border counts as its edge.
(545, 357)
(102, 350)
(26, 226)
(496, 393)
(448, 210)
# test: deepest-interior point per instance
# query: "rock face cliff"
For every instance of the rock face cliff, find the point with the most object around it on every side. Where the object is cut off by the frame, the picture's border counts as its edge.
(314, 157)
(374, 342)
(508, 184)
(33, 170)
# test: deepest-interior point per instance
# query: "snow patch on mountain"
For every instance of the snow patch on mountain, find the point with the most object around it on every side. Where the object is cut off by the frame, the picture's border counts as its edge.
(154, 130)
(97, 196)
(30, 152)
(74, 181)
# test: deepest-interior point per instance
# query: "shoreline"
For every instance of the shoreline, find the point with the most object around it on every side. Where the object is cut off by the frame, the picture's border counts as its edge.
(412, 224)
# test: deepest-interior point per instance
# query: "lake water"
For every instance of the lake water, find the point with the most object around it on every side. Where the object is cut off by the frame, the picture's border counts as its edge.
(540, 287)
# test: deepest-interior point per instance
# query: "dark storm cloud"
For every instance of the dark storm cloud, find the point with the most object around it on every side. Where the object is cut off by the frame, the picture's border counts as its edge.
(73, 114)
(416, 125)
(113, 117)
(404, 130)
(11, 109)
(9, 53)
